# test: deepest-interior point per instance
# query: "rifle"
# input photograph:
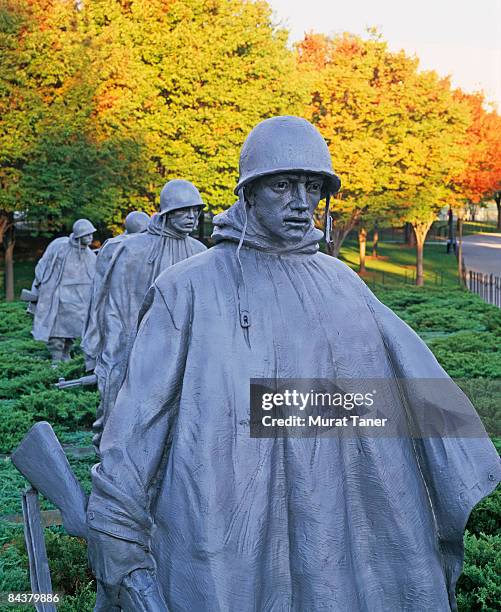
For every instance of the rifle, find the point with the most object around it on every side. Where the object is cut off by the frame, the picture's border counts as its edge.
(37, 553)
(32, 298)
(84, 381)
(41, 460)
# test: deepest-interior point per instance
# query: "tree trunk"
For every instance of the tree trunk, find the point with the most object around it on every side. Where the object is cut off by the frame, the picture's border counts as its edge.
(375, 241)
(473, 212)
(362, 243)
(497, 198)
(460, 246)
(450, 236)
(9, 270)
(410, 238)
(7, 241)
(4, 224)
(421, 229)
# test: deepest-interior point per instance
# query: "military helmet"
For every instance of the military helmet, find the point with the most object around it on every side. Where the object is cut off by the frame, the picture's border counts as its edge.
(177, 194)
(83, 227)
(136, 222)
(285, 144)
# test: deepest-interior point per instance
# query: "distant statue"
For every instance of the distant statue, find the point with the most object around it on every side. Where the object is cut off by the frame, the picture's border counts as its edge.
(136, 222)
(62, 289)
(188, 511)
(133, 267)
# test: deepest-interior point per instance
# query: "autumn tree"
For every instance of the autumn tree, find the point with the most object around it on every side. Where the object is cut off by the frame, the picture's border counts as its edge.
(481, 177)
(395, 133)
(54, 167)
(189, 80)
(355, 100)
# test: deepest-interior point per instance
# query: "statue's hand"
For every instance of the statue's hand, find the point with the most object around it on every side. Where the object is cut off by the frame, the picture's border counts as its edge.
(90, 363)
(140, 592)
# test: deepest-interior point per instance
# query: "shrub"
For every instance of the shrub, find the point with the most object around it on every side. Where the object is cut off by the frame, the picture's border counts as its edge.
(479, 586)
(486, 517)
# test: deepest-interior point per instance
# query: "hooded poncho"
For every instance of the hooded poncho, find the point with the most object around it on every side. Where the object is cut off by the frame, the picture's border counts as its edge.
(232, 522)
(90, 337)
(134, 265)
(63, 279)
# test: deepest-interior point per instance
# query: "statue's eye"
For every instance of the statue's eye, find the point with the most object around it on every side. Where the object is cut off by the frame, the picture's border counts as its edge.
(281, 185)
(314, 187)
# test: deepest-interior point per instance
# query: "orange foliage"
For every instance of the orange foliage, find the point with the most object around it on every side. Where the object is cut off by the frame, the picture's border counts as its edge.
(482, 175)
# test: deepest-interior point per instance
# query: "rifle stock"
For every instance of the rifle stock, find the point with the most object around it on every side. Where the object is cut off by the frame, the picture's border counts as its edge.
(41, 460)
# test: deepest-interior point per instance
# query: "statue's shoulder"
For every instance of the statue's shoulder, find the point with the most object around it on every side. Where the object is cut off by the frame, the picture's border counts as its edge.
(336, 266)
(131, 247)
(192, 271)
(59, 242)
(56, 246)
(196, 245)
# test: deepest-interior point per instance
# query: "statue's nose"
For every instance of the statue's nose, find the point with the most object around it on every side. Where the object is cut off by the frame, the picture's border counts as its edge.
(300, 199)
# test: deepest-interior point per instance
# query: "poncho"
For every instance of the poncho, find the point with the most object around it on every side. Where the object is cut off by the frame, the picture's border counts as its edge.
(134, 265)
(90, 336)
(63, 279)
(232, 522)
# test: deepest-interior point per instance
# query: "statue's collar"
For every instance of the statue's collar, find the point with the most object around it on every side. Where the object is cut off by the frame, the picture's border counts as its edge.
(158, 227)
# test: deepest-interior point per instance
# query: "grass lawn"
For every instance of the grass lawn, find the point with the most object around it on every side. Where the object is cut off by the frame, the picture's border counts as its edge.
(396, 263)
(480, 227)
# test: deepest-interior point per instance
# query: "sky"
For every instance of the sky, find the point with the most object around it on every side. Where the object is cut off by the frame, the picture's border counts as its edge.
(460, 38)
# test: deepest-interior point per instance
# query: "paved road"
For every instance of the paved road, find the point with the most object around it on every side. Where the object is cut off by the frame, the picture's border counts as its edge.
(482, 253)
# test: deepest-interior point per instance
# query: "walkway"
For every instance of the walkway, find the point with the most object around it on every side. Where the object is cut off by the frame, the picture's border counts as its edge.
(482, 253)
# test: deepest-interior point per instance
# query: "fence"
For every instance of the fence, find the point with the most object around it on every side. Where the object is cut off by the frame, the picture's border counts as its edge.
(487, 286)
(401, 275)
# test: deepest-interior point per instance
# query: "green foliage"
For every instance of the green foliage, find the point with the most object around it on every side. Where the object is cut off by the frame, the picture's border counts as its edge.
(68, 562)
(439, 309)
(101, 105)
(69, 568)
(27, 394)
(83, 600)
(469, 355)
(479, 586)
(486, 518)
(13, 569)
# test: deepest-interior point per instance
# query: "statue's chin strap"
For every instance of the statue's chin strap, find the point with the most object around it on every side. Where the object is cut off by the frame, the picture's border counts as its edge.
(243, 299)
(327, 220)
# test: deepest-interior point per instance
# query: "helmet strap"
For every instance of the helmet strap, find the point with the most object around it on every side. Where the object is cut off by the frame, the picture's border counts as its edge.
(327, 219)
(243, 300)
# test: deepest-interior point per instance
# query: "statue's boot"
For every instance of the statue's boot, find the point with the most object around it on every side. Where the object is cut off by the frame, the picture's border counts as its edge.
(56, 348)
(68, 343)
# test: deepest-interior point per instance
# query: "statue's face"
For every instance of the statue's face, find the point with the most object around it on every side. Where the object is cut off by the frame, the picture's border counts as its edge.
(87, 239)
(282, 205)
(183, 220)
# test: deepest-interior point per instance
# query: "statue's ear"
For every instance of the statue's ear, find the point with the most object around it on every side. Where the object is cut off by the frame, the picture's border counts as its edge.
(248, 194)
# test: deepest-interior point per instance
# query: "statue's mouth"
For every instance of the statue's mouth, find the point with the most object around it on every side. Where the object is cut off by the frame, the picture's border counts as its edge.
(298, 222)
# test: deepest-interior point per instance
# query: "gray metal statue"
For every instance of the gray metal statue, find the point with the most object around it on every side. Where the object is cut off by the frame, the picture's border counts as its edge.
(62, 289)
(136, 222)
(134, 265)
(188, 512)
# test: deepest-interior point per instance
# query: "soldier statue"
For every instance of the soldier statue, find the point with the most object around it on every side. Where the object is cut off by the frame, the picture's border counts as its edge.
(136, 222)
(189, 512)
(62, 289)
(135, 264)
